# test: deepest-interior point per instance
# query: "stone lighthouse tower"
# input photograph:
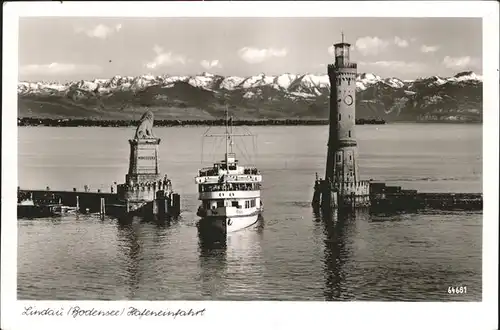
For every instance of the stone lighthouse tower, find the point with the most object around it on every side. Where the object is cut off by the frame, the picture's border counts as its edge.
(342, 187)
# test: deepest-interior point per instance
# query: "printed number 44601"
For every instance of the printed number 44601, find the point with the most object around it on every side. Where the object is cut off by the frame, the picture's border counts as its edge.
(457, 289)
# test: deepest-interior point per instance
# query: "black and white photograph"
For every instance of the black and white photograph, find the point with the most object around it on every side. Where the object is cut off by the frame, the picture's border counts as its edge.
(225, 154)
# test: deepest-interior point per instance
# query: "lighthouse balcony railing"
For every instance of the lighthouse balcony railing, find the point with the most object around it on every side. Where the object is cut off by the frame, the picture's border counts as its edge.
(165, 185)
(357, 188)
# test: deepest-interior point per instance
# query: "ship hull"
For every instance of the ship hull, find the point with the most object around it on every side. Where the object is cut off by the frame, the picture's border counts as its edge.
(229, 223)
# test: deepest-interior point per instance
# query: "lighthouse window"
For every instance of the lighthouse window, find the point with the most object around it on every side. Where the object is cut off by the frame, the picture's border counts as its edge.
(340, 116)
(350, 157)
(349, 133)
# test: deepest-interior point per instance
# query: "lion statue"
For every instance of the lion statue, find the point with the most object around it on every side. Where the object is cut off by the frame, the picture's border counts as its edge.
(145, 128)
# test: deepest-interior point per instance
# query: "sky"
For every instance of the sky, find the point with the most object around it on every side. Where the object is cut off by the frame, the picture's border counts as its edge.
(75, 48)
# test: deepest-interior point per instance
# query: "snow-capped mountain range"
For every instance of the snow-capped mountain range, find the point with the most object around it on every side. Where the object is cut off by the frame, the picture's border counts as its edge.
(305, 85)
(272, 96)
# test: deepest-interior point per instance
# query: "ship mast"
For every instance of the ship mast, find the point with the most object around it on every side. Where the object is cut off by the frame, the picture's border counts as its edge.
(228, 135)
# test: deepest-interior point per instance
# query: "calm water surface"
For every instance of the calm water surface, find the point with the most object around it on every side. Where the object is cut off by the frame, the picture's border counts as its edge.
(290, 255)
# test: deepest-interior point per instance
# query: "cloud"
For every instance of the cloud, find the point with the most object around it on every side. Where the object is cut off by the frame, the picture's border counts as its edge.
(255, 55)
(100, 31)
(371, 45)
(210, 64)
(428, 49)
(401, 66)
(331, 50)
(58, 69)
(459, 62)
(400, 42)
(163, 58)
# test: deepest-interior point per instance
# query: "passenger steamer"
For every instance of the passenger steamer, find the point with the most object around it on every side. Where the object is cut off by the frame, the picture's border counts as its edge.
(229, 192)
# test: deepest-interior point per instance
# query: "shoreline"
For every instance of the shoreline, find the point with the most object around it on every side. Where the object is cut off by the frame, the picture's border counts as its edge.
(171, 123)
(48, 122)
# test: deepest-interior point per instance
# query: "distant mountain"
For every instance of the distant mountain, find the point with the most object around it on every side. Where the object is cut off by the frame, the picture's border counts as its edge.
(457, 98)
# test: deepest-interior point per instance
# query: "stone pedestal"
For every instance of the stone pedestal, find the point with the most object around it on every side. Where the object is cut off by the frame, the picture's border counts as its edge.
(143, 165)
(144, 187)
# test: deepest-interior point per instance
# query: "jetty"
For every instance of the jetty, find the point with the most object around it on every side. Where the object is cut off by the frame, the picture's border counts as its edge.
(144, 193)
(342, 187)
(385, 199)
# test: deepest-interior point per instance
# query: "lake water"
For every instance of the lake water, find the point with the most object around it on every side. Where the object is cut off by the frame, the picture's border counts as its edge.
(291, 254)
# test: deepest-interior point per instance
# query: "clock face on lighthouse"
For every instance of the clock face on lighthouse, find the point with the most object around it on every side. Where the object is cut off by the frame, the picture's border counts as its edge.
(348, 100)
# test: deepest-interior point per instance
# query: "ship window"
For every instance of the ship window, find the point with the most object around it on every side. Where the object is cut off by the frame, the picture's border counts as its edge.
(220, 203)
(350, 157)
(235, 204)
(338, 157)
(246, 205)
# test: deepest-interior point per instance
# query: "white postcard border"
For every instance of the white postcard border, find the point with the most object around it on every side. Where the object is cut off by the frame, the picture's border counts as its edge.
(266, 314)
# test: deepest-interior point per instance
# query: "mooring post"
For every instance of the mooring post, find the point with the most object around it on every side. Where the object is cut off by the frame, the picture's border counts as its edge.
(317, 193)
(176, 205)
(155, 206)
(166, 205)
(159, 209)
(103, 207)
(77, 203)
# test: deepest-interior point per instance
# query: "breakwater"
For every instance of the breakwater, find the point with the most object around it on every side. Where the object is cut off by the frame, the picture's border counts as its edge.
(390, 199)
(66, 122)
(45, 203)
(384, 199)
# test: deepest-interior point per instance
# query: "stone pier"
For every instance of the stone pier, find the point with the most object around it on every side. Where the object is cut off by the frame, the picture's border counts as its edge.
(146, 192)
(144, 185)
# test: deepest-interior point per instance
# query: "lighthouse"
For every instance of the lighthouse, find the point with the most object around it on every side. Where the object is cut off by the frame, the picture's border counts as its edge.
(342, 186)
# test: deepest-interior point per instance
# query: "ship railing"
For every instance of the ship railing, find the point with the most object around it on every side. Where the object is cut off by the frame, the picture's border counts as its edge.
(208, 172)
(229, 178)
(251, 170)
(229, 187)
